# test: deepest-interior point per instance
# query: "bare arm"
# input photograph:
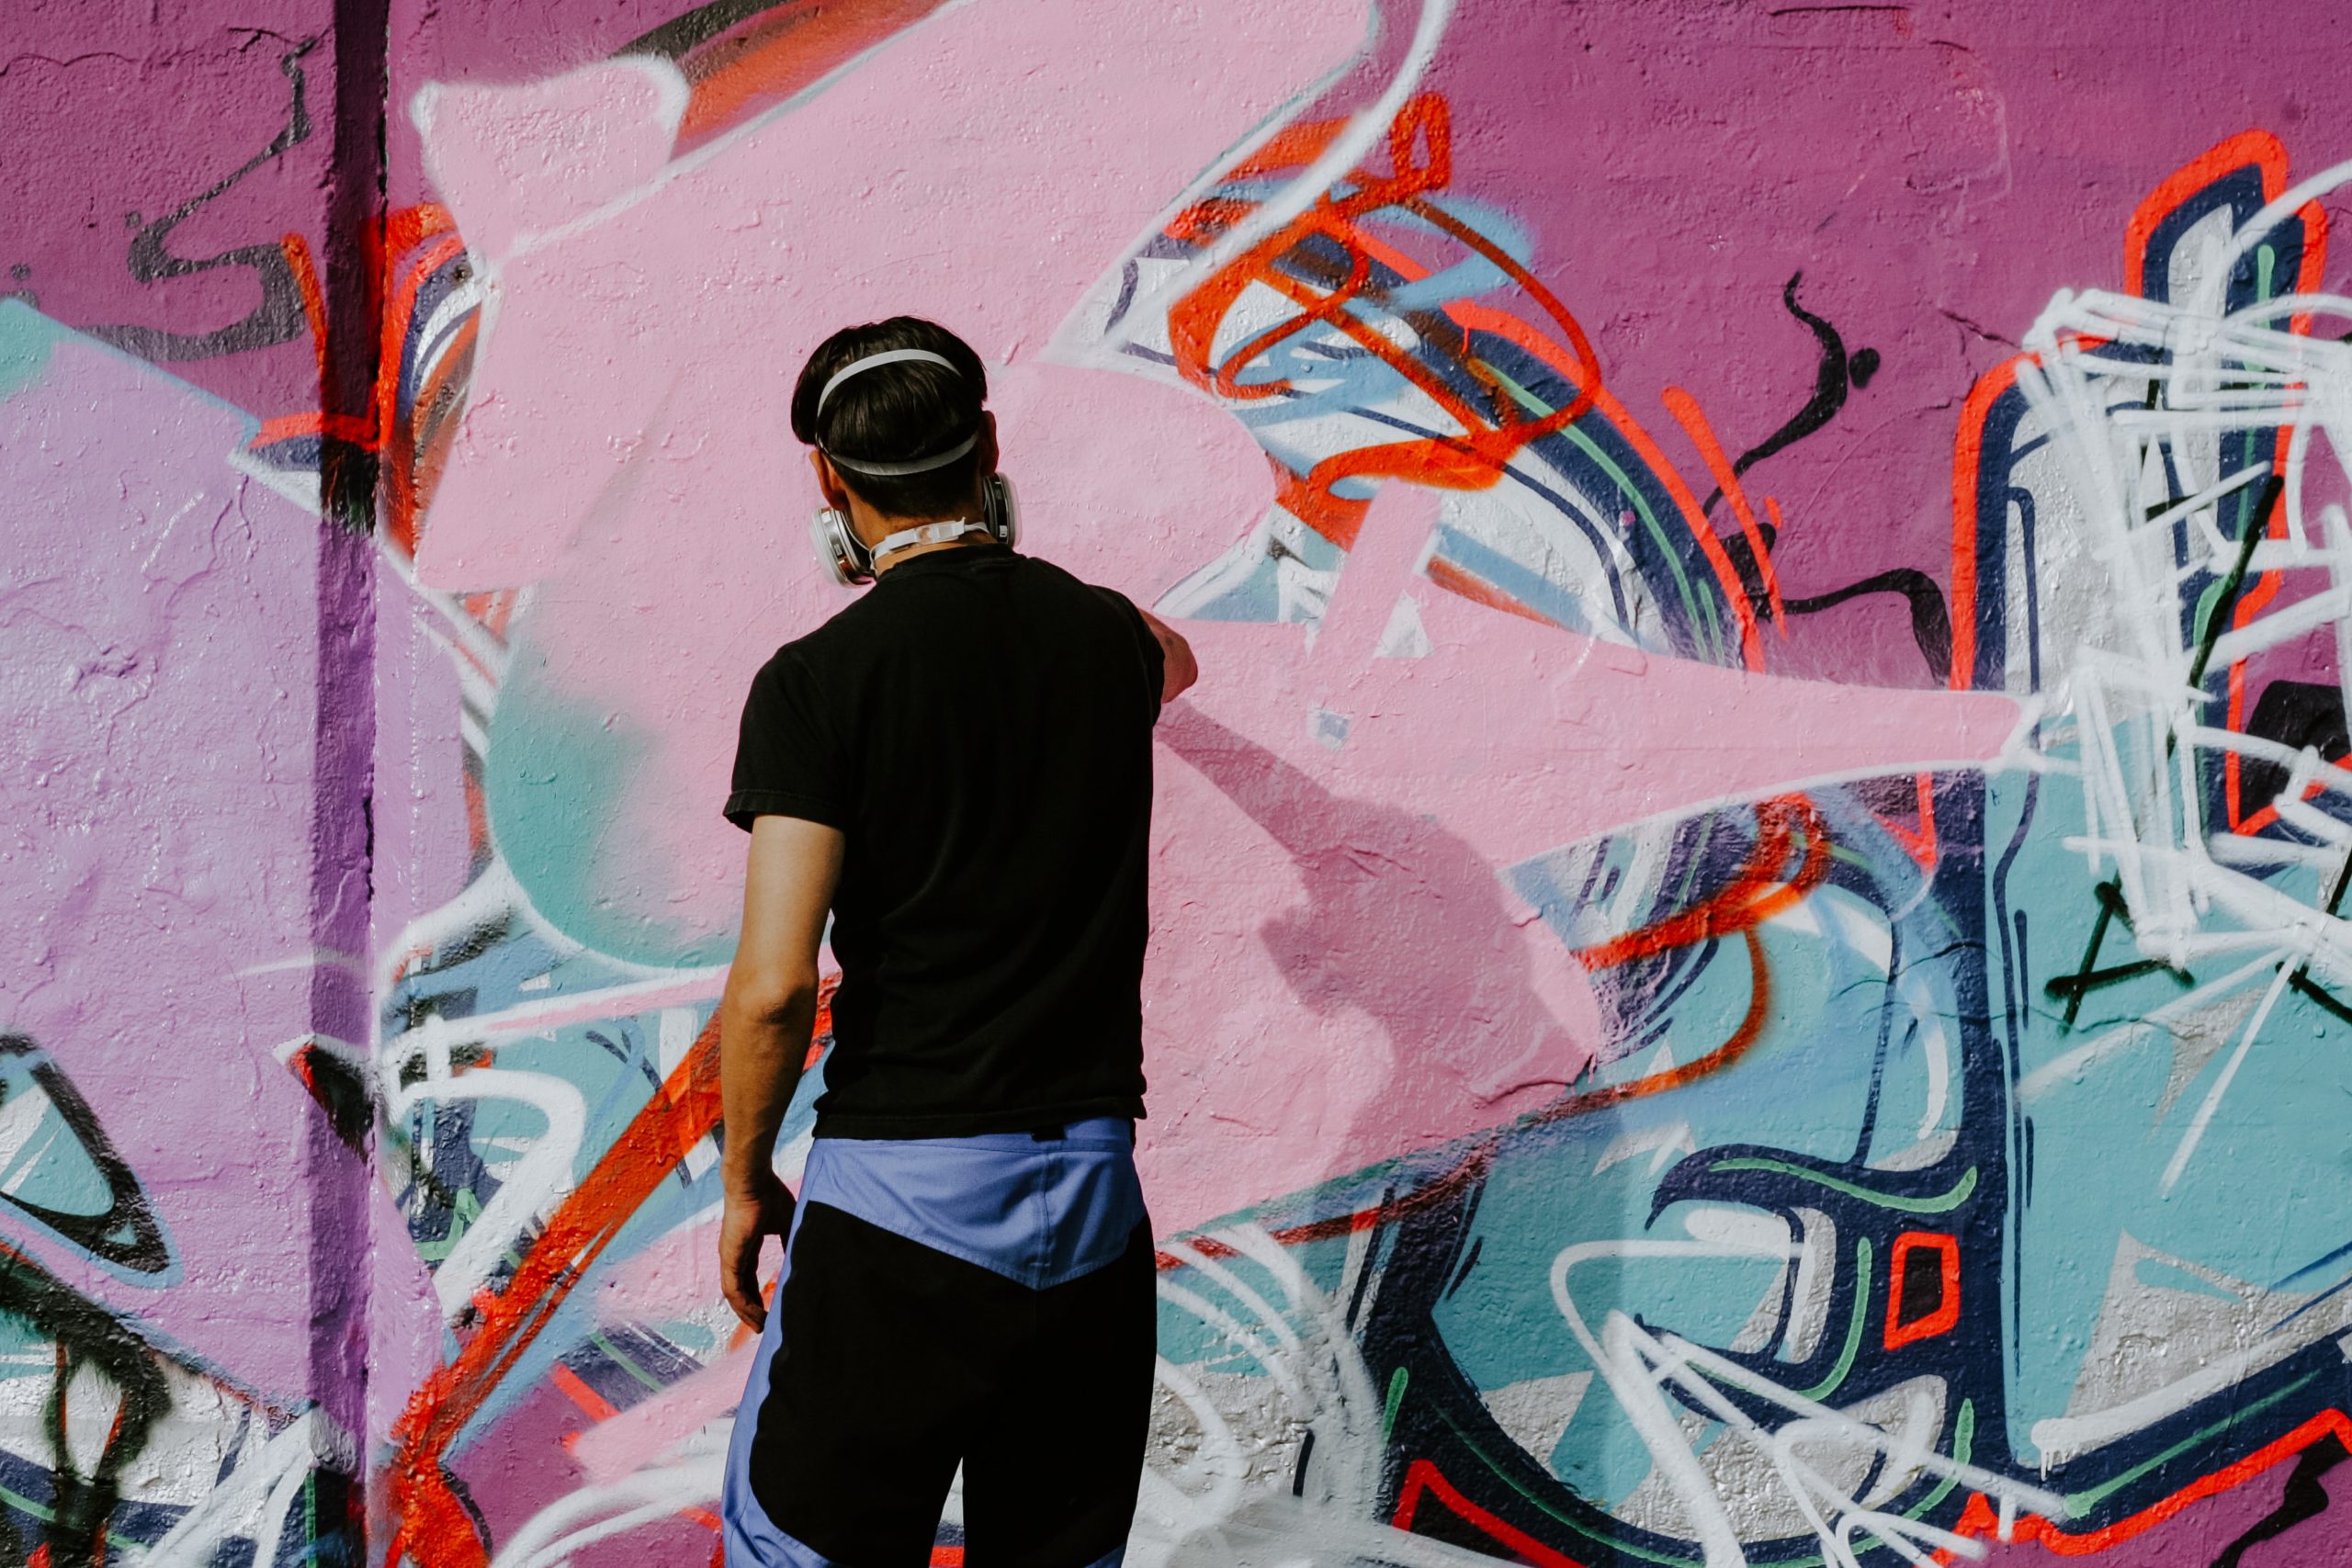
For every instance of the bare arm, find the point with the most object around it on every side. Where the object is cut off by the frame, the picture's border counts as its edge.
(764, 1019)
(1180, 667)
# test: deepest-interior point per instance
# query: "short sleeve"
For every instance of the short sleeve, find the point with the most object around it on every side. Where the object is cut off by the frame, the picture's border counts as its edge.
(788, 761)
(1154, 658)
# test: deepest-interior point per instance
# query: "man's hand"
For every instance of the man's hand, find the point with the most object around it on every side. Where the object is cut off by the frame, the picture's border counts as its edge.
(1179, 669)
(764, 1021)
(749, 1218)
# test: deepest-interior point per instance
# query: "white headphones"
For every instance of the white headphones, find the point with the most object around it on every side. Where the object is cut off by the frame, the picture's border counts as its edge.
(851, 561)
(849, 558)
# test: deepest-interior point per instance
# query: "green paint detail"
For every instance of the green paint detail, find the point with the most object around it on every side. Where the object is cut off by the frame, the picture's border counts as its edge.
(1963, 1445)
(1579, 1526)
(1701, 607)
(633, 1370)
(2090, 953)
(1942, 1202)
(1854, 1322)
(1697, 607)
(2083, 1502)
(466, 1209)
(1686, 890)
(26, 339)
(1854, 858)
(1396, 1400)
(2218, 599)
(2206, 630)
(26, 1504)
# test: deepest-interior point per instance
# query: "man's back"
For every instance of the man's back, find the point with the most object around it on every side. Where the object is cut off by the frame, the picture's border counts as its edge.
(978, 728)
(957, 770)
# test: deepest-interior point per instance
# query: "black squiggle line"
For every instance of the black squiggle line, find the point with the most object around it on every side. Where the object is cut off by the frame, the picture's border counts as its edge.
(1835, 374)
(1931, 621)
(2306, 1498)
(279, 317)
(1831, 377)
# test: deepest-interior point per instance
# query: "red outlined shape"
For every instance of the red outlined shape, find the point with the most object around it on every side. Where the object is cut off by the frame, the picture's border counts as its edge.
(1981, 1519)
(1967, 458)
(2258, 150)
(1422, 1477)
(1905, 1257)
(2261, 151)
(2248, 148)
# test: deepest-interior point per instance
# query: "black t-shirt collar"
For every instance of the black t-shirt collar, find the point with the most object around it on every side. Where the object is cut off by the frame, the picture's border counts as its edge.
(953, 556)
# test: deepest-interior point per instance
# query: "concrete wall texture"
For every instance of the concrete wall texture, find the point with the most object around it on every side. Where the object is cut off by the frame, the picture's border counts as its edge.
(1749, 962)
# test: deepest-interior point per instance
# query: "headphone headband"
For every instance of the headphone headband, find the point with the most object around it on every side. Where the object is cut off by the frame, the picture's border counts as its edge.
(887, 356)
(893, 470)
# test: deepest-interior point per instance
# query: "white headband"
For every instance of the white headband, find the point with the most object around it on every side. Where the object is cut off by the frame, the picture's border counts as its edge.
(892, 471)
(888, 357)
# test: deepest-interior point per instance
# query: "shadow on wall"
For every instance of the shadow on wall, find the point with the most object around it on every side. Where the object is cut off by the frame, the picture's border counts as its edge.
(1405, 922)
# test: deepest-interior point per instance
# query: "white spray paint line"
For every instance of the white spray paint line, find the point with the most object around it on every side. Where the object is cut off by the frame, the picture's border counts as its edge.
(530, 1187)
(1637, 1395)
(1277, 1366)
(579, 1519)
(2054, 1073)
(2196, 1132)
(316, 958)
(1345, 150)
(254, 1499)
(2212, 287)
(1631, 1361)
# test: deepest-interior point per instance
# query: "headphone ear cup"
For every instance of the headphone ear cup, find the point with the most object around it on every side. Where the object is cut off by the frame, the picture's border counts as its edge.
(829, 532)
(999, 510)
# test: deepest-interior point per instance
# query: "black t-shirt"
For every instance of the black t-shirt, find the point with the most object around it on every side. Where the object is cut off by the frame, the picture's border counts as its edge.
(978, 726)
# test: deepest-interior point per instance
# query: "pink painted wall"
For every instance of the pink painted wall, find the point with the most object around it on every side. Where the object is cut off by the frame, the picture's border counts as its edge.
(1815, 932)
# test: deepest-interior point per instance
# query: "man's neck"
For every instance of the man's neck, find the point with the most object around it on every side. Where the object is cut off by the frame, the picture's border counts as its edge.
(883, 527)
(898, 556)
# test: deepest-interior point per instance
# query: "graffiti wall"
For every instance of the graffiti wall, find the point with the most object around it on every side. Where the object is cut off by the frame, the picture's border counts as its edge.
(1749, 959)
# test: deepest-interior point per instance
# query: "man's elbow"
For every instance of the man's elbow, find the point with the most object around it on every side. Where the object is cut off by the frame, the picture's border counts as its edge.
(774, 997)
(1179, 669)
(1182, 670)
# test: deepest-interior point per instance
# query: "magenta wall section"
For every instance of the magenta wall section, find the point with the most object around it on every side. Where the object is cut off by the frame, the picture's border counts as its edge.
(1748, 960)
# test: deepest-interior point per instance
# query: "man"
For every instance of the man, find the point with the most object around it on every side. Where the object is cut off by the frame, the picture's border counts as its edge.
(958, 767)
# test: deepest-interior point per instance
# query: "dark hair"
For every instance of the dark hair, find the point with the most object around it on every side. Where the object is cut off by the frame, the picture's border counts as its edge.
(896, 414)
